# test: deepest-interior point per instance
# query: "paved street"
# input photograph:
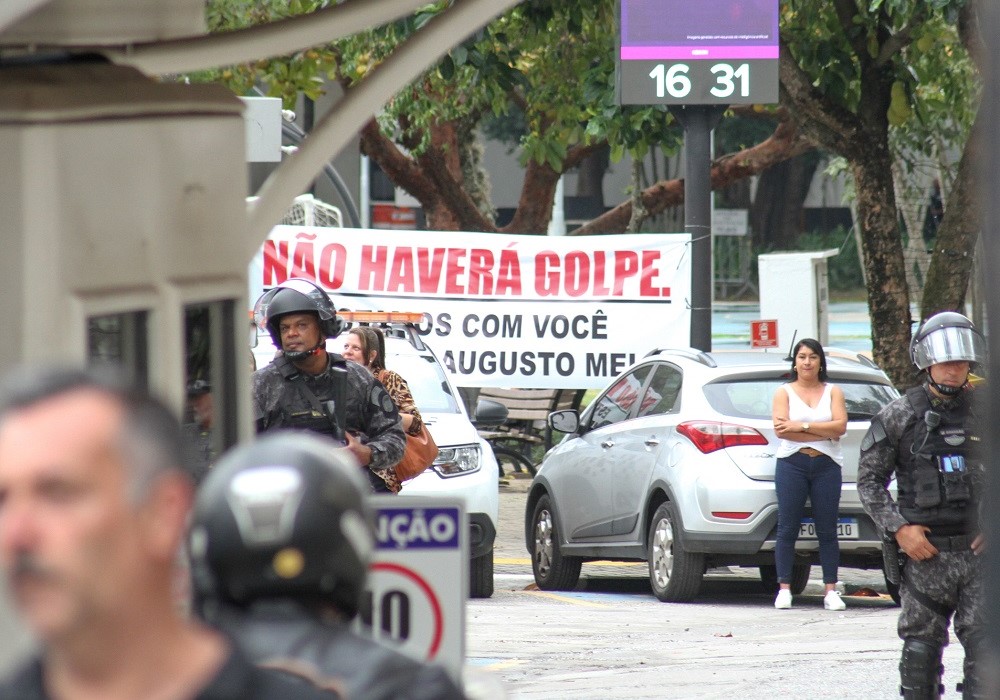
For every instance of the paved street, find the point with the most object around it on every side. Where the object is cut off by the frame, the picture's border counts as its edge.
(611, 638)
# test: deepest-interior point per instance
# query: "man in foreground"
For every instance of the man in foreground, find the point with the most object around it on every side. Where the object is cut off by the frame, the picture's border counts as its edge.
(930, 439)
(93, 507)
(280, 543)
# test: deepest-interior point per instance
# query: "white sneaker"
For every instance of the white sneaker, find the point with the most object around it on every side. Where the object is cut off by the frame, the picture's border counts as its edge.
(784, 599)
(832, 601)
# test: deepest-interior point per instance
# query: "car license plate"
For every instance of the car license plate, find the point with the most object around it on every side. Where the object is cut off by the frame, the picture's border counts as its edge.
(847, 529)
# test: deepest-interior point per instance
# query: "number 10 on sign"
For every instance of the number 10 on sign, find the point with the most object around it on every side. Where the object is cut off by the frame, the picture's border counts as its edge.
(675, 81)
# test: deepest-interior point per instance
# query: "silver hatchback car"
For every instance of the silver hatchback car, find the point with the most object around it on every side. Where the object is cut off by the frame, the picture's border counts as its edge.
(673, 464)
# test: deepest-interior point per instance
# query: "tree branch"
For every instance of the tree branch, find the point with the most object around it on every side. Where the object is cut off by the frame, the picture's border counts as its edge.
(786, 142)
(895, 43)
(578, 153)
(829, 125)
(846, 10)
(440, 164)
(401, 169)
(534, 208)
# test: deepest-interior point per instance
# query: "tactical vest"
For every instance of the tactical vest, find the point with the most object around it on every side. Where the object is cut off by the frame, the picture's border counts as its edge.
(320, 409)
(934, 482)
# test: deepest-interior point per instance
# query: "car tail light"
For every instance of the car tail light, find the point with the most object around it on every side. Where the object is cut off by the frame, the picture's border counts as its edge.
(709, 436)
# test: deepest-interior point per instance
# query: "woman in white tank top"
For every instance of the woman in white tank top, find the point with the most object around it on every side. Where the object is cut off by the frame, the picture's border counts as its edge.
(809, 417)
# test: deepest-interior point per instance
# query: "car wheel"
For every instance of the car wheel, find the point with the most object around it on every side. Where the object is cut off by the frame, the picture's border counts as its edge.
(800, 577)
(553, 571)
(481, 576)
(674, 573)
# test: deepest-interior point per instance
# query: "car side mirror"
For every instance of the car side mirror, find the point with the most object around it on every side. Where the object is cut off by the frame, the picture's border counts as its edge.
(567, 421)
(489, 413)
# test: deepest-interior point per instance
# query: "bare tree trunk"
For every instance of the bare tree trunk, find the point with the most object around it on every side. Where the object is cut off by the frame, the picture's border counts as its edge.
(776, 213)
(638, 209)
(951, 265)
(862, 139)
(912, 210)
(535, 206)
(857, 242)
(590, 174)
(888, 297)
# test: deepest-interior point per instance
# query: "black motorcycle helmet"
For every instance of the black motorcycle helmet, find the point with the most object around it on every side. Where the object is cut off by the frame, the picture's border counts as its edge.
(946, 337)
(296, 296)
(284, 517)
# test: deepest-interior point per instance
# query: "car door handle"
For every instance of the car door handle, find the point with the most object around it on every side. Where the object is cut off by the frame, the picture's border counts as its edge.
(607, 444)
(651, 442)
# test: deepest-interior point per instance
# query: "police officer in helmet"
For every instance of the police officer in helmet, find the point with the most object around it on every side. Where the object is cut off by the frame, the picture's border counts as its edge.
(280, 541)
(930, 439)
(307, 388)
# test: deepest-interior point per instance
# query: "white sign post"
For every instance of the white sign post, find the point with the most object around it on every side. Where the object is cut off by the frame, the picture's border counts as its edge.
(418, 580)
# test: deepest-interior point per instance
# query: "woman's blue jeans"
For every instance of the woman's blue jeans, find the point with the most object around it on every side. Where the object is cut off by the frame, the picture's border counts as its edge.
(797, 477)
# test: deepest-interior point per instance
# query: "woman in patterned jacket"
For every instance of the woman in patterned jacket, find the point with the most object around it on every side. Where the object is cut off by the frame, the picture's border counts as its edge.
(366, 346)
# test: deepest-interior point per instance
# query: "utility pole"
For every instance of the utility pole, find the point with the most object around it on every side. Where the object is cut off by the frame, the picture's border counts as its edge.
(698, 122)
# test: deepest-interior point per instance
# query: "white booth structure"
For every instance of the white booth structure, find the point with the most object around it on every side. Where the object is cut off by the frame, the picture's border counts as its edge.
(794, 290)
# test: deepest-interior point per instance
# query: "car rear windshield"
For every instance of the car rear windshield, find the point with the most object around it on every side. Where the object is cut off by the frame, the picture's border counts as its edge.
(427, 381)
(752, 398)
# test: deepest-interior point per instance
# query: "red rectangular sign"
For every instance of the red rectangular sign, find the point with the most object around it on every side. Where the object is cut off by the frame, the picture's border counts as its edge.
(391, 216)
(764, 334)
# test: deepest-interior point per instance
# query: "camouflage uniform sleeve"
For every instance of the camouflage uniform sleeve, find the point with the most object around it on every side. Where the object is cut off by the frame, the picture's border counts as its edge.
(260, 392)
(879, 454)
(382, 425)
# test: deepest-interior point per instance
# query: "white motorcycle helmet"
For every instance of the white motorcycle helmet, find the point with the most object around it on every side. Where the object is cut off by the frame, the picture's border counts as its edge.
(947, 337)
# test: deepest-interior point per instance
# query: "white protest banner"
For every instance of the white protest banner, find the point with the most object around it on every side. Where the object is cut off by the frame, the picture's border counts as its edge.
(503, 310)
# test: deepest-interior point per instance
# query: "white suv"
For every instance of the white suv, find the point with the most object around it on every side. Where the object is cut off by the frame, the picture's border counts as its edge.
(465, 467)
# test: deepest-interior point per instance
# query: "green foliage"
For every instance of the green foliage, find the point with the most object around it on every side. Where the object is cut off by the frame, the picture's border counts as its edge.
(543, 75)
(547, 66)
(287, 77)
(943, 89)
(736, 134)
(934, 84)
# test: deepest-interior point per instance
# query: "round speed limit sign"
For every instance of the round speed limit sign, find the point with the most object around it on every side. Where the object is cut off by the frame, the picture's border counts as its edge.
(404, 610)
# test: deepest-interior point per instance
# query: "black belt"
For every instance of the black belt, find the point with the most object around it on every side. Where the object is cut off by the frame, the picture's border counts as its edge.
(955, 543)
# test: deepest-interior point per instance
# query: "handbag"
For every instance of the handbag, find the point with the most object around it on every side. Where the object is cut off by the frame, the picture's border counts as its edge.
(421, 451)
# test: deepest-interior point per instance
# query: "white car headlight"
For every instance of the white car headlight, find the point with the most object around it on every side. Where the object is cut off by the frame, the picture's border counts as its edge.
(455, 461)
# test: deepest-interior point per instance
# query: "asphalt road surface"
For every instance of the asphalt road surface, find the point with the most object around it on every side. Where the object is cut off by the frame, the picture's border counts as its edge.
(611, 638)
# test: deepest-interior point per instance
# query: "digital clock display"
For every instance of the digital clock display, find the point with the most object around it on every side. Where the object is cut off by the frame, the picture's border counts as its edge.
(702, 52)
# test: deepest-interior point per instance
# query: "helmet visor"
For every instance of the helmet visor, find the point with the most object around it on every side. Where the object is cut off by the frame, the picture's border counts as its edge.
(261, 307)
(949, 345)
(317, 298)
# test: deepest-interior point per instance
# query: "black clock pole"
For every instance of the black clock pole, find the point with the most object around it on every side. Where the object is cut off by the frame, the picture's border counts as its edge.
(698, 122)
